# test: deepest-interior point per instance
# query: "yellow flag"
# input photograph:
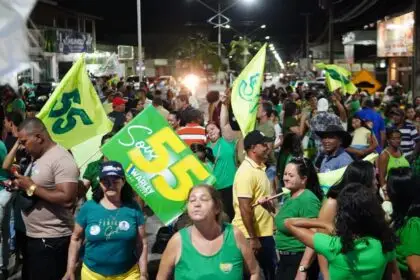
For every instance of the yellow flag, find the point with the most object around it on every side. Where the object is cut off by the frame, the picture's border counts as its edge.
(246, 92)
(74, 113)
(338, 77)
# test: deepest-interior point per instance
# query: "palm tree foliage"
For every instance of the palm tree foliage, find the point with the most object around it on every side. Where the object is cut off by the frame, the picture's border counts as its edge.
(242, 51)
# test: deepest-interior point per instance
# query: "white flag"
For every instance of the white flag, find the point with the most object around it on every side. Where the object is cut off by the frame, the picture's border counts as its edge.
(14, 46)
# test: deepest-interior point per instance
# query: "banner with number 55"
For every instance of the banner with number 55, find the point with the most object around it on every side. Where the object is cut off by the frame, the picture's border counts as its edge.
(158, 165)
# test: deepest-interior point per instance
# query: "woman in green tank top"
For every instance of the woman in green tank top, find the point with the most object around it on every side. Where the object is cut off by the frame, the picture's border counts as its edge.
(209, 249)
(391, 157)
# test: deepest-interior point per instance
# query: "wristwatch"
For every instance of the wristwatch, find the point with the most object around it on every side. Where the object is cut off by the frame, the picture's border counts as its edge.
(30, 191)
(302, 268)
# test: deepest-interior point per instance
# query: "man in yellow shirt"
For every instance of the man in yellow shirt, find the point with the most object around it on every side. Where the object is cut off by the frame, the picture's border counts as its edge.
(250, 185)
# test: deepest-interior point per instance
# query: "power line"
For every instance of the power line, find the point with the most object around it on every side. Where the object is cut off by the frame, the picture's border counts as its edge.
(357, 11)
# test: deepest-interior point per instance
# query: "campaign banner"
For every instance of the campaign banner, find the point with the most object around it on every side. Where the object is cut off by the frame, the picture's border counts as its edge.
(158, 165)
(331, 178)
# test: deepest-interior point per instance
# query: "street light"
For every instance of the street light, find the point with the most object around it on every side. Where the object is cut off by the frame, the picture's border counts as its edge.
(263, 26)
(227, 26)
(267, 37)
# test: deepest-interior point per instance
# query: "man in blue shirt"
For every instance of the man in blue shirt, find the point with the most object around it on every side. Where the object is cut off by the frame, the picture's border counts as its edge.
(334, 140)
(368, 113)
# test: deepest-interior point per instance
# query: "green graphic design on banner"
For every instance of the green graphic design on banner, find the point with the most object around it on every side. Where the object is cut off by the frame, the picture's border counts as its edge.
(158, 164)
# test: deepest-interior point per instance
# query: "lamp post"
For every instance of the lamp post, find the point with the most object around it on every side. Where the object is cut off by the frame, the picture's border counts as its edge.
(219, 20)
(140, 53)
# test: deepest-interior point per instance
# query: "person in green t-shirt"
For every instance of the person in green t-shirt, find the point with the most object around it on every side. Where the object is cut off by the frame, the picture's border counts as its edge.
(363, 244)
(224, 170)
(91, 174)
(113, 226)
(402, 189)
(304, 201)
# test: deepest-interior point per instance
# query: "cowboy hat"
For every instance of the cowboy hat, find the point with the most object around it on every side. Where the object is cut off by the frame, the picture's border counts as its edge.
(338, 131)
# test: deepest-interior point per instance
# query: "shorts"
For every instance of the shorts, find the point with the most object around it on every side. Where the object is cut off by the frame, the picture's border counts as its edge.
(132, 274)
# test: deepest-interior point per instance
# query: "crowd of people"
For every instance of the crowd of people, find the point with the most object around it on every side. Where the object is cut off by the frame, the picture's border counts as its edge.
(266, 217)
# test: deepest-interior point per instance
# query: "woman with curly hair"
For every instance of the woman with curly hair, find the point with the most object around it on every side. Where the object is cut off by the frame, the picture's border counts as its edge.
(404, 192)
(304, 201)
(361, 244)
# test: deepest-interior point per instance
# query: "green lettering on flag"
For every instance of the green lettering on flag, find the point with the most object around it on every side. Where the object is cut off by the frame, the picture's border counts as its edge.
(337, 78)
(159, 166)
(69, 122)
(246, 92)
(73, 114)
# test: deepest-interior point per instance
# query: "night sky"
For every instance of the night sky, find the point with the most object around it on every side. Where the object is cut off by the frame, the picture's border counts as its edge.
(165, 19)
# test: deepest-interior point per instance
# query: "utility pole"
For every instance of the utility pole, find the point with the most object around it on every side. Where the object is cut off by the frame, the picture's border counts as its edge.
(140, 52)
(416, 57)
(331, 31)
(219, 37)
(306, 15)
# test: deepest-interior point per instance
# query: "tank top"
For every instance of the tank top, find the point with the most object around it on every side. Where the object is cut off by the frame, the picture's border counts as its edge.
(396, 162)
(227, 263)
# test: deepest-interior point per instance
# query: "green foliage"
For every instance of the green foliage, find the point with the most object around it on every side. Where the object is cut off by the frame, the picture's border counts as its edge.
(242, 51)
(199, 51)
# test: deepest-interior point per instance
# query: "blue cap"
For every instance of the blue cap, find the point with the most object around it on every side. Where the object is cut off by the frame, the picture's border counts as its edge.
(111, 168)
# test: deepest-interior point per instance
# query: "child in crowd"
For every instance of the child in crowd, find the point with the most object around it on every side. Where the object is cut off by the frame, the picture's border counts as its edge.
(363, 138)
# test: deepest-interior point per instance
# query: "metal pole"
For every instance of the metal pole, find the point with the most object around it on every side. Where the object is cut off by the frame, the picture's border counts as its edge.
(140, 51)
(416, 58)
(219, 37)
(331, 33)
(307, 36)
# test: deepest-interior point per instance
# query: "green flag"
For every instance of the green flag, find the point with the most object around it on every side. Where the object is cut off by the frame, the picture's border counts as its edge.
(158, 165)
(246, 92)
(74, 113)
(337, 77)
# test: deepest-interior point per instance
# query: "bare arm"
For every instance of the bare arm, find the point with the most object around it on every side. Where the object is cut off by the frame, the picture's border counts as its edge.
(336, 98)
(247, 254)
(392, 271)
(64, 194)
(300, 228)
(73, 256)
(170, 258)
(383, 162)
(383, 138)
(227, 131)
(142, 249)
(413, 263)
(326, 214)
(10, 158)
(245, 206)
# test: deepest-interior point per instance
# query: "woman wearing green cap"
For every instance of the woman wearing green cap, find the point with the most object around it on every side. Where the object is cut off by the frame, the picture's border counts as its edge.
(112, 225)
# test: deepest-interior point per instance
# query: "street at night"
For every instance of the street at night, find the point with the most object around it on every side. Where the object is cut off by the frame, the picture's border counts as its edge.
(210, 139)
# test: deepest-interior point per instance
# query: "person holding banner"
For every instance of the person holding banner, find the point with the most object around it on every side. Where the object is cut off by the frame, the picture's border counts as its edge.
(113, 226)
(209, 249)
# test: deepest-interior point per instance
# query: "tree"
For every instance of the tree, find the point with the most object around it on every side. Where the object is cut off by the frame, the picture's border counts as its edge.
(242, 51)
(199, 51)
